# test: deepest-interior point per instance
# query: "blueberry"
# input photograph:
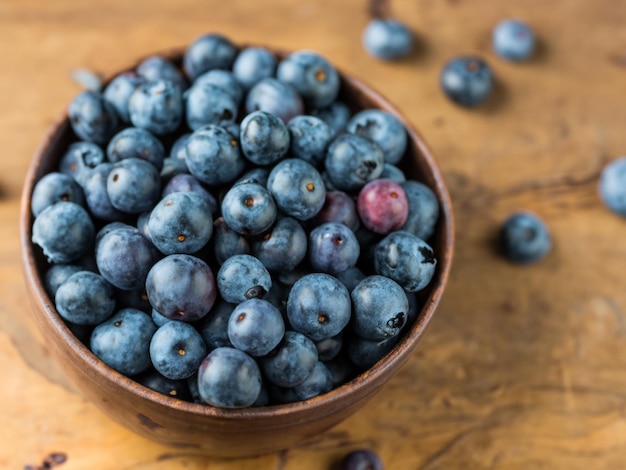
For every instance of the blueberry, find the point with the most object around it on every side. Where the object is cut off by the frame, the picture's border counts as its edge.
(181, 287)
(176, 350)
(133, 185)
(467, 80)
(229, 378)
(513, 40)
(249, 209)
(156, 67)
(352, 161)
(156, 106)
(291, 362)
(329, 348)
(181, 222)
(55, 187)
(206, 103)
(92, 117)
(313, 77)
(158, 319)
(119, 91)
(318, 382)
(79, 159)
(365, 353)
(274, 97)
(123, 341)
(309, 138)
(423, 209)
(124, 257)
(283, 247)
(341, 370)
(96, 195)
(227, 242)
(379, 308)
(64, 231)
(208, 52)
(252, 65)
(361, 459)
(388, 39)
(338, 207)
(178, 150)
(256, 327)
(134, 142)
(264, 138)
(168, 387)
(214, 326)
(612, 186)
(185, 182)
(243, 277)
(524, 238)
(297, 187)
(222, 79)
(57, 274)
(383, 128)
(85, 298)
(406, 259)
(212, 155)
(256, 175)
(382, 206)
(172, 167)
(333, 248)
(318, 306)
(336, 115)
(351, 277)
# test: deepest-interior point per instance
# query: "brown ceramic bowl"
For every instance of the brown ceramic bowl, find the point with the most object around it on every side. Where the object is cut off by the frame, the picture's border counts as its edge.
(205, 429)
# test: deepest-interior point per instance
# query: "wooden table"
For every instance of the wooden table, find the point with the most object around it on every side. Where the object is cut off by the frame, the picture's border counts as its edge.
(523, 367)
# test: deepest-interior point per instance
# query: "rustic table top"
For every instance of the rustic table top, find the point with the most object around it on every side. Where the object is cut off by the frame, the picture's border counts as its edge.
(522, 367)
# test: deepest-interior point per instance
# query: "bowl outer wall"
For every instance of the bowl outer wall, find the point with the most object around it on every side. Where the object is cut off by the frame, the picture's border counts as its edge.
(205, 429)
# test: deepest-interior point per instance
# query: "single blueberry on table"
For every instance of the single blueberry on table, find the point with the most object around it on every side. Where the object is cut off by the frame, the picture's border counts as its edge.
(467, 80)
(249, 209)
(134, 142)
(64, 231)
(524, 238)
(313, 77)
(297, 188)
(388, 39)
(423, 209)
(156, 106)
(256, 327)
(55, 187)
(212, 155)
(361, 459)
(123, 341)
(252, 65)
(352, 161)
(119, 91)
(283, 247)
(612, 186)
(243, 277)
(157, 67)
(206, 103)
(291, 362)
(513, 40)
(318, 306)
(176, 350)
(309, 138)
(264, 138)
(181, 222)
(379, 308)
(208, 52)
(124, 257)
(406, 259)
(333, 248)
(133, 185)
(274, 97)
(85, 298)
(92, 117)
(383, 128)
(229, 378)
(181, 287)
(79, 159)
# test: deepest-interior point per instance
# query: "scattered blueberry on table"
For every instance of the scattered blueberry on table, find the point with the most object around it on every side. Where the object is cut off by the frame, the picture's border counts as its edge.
(612, 186)
(513, 40)
(467, 80)
(524, 237)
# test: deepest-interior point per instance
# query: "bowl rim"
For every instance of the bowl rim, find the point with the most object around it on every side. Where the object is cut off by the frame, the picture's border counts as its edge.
(366, 381)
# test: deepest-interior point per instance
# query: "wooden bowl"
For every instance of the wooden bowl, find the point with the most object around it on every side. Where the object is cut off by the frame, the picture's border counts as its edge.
(201, 428)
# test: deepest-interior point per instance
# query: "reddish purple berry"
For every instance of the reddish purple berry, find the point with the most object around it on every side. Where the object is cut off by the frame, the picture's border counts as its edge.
(382, 206)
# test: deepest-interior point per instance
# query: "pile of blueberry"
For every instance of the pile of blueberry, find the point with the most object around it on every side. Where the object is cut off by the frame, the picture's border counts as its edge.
(229, 231)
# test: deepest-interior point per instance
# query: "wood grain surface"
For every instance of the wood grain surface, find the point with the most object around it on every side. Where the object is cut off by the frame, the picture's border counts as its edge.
(522, 367)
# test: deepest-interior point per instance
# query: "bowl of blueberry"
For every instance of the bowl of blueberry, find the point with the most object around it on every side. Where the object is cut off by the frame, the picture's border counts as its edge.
(230, 249)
